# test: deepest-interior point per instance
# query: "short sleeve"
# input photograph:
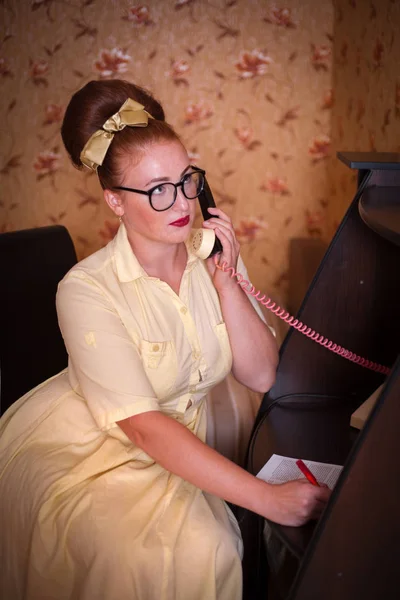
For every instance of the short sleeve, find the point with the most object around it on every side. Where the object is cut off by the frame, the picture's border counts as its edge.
(104, 358)
(241, 268)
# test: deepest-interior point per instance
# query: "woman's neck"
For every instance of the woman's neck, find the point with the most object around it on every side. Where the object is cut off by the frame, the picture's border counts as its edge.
(164, 261)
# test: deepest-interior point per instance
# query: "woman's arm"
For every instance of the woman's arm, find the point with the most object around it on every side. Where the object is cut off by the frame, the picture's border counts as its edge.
(105, 361)
(254, 348)
(179, 451)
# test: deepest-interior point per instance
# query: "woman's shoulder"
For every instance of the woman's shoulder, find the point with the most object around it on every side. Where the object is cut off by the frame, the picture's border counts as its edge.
(95, 268)
(95, 263)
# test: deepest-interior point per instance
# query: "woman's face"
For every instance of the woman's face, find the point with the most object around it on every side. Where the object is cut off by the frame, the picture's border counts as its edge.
(162, 162)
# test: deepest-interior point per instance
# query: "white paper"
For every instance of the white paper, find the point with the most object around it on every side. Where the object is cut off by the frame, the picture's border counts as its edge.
(280, 469)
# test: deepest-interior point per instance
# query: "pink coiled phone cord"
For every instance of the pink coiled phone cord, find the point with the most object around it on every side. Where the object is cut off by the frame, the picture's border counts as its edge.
(301, 327)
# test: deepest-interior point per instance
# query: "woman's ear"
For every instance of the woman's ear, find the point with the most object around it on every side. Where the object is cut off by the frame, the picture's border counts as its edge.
(114, 202)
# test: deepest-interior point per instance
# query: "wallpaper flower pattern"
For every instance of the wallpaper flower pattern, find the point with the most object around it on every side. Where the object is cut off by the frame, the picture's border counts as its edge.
(262, 93)
(366, 80)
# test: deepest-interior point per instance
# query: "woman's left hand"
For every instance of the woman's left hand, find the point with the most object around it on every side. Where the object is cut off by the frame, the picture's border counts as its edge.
(223, 228)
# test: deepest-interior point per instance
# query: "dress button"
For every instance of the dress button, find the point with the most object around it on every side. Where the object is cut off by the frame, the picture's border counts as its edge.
(184, 310)
(156, 348)
(192, 389)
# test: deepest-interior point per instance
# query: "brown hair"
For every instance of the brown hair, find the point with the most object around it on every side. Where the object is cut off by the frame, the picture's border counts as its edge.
(91, 106)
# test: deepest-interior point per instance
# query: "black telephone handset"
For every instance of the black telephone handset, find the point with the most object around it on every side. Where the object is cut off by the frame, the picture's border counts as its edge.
(204, 241)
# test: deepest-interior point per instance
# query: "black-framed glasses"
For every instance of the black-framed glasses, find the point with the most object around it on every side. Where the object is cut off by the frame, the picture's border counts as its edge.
(163, 195)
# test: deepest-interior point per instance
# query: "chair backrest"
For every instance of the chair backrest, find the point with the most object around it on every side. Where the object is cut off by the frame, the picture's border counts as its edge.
(32, 262)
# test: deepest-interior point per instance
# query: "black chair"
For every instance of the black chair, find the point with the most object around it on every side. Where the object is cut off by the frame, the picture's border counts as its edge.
(32, 262)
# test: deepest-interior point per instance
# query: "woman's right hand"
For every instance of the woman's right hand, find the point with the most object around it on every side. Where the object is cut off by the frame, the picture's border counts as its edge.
(179, 451)
(294, 503)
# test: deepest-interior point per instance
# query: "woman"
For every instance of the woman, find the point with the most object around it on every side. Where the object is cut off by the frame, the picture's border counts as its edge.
(107, 487)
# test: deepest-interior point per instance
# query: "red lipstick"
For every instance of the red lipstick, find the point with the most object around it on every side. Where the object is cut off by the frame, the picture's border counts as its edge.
(181, 222)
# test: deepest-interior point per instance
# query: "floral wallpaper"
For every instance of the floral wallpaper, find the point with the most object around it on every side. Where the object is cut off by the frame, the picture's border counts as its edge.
(262, 93)
(366, 82)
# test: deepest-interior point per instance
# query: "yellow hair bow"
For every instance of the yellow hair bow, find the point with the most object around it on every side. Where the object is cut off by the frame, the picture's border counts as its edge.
(131, 114)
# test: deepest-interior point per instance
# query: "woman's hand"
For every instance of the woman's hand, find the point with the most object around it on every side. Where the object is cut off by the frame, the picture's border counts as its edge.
(295, 502)
(223, 228)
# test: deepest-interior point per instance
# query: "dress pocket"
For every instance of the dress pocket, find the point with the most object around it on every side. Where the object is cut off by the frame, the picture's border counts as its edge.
(226, 353)
(161, 365)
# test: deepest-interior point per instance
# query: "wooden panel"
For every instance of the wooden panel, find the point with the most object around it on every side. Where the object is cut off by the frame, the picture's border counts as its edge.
(351, 301)
(354, 552)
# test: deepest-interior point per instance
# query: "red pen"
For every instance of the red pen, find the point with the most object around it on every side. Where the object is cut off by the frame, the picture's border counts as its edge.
(306, 472)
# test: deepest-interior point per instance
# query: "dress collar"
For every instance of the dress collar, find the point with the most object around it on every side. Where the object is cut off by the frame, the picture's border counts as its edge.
(128, 266)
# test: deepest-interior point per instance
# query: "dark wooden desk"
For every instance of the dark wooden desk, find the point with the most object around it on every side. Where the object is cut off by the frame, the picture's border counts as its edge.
(352, 300)
(353, 552)
(379, 209)
(320, 431)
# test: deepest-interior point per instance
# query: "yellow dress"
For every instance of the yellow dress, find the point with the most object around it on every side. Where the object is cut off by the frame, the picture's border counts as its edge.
(84, 514)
